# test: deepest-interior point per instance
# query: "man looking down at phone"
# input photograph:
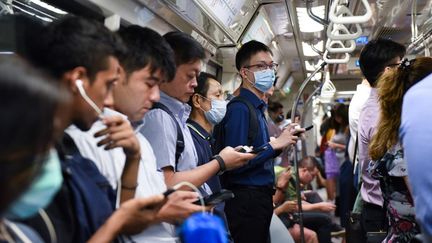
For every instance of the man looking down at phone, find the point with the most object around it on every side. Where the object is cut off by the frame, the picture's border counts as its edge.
(83, 57)
(163, 126)
(250, 212)
(148, 62)
(315, 212)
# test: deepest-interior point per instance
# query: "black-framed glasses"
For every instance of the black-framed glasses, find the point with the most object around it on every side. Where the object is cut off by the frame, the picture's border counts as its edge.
(264, 66)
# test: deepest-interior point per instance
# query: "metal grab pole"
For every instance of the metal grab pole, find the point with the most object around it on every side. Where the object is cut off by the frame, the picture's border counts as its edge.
(305, 109)
(296, 169)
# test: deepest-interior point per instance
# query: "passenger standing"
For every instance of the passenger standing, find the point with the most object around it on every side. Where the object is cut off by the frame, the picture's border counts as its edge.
(82, 56)
(162, 130)
(148, 62)
(416, 137)
(389, 165)
(250, 212)
(376, 58)
(29, 167)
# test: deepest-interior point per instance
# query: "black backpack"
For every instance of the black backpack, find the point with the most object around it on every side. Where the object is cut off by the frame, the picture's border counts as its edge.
(219, 131)
(180, 145)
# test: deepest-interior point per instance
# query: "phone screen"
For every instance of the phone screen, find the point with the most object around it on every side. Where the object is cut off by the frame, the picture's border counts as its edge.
(216, 198)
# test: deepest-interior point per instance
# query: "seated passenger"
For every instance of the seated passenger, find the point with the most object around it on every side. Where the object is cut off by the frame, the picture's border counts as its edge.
(389, 165)
(83, 56)
(316, 214)
(149, 61)
(28, 165)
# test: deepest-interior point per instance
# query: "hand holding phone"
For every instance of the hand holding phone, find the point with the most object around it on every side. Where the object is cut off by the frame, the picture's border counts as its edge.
(247, 149)
(296, 133)
(216, 198)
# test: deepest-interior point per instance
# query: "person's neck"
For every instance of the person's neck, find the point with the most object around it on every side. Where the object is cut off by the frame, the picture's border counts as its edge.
(201, 120)
(164, 88)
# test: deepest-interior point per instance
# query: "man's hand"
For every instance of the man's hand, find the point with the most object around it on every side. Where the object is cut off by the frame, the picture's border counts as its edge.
(284, 177)
(178, 207)
(234, 159)
(289, 207)
(325, 206)
(137, 214)
(119, 133)
(288, 137)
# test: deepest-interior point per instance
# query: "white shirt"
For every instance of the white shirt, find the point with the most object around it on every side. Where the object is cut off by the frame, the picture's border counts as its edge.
(111, 163)
(355, 107)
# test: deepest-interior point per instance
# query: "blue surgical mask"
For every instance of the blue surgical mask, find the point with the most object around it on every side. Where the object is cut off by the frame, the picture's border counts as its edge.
(264, 79)
(41, 191)
(217, 111)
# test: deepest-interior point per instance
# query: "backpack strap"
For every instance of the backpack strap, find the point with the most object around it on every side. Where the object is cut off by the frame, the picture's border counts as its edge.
(180, 140)
(253, 118)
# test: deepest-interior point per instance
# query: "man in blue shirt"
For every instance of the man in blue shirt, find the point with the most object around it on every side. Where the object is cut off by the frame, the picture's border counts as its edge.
(250, 212)
(416, 134)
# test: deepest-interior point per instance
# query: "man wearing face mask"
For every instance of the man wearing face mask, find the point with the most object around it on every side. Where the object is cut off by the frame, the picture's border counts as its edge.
(275, 113)
(250, 212)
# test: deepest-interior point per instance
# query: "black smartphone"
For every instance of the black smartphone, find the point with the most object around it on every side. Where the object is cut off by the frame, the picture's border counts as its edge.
(259, 149)
(306, 129)
(216, 198)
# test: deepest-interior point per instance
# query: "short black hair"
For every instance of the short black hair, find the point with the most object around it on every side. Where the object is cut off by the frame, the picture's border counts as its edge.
(308, 162)
(186, 49)
(274, 106)
(146, 47)
(74, 41)
(247, 50)
(289, 113)
(203, 85)
(376, 55)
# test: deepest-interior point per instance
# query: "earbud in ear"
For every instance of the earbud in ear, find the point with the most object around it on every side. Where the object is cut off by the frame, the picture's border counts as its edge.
(79, 83)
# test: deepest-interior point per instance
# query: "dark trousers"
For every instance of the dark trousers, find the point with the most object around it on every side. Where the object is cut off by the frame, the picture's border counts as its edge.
(249, 214)
(321, 223)
(373, 218)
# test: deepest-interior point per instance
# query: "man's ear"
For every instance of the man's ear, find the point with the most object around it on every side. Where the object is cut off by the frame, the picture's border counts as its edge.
(243, 73)
(195, 101)
(70, 78)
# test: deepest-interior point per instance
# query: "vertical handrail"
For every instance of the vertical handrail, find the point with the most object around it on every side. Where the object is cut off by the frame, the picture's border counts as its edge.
(296, 169)
(305, 110)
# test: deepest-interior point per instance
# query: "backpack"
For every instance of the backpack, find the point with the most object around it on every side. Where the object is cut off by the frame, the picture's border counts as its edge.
(180, 145)
(92, 195)
(219, 131)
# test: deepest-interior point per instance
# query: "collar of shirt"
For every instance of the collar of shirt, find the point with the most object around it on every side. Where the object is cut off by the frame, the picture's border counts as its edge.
(199, 129)
(256, 102)
(179, 109)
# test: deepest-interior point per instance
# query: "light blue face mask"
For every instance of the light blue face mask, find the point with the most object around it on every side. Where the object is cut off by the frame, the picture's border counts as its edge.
(264, 79)
(217, 111)
(41, 191)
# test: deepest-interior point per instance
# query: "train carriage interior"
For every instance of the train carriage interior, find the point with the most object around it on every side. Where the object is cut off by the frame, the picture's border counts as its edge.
(316, 47)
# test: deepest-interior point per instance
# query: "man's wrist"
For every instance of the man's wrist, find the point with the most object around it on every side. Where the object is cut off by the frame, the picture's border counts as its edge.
(221, 162)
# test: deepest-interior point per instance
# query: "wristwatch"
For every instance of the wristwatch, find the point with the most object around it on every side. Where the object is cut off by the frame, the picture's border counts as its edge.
(221, 162)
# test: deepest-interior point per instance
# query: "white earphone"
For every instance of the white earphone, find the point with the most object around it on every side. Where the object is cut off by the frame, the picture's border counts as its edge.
(80, 86)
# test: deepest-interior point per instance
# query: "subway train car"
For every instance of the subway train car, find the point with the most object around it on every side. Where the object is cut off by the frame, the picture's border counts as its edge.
(292, 120)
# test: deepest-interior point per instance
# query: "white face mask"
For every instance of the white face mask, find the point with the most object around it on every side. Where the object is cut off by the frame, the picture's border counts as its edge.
(217, 111)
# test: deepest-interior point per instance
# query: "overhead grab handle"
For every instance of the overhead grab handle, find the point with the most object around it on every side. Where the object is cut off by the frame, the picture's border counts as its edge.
(349, 19)
(330, 46)
(336, 61)
(342, 32)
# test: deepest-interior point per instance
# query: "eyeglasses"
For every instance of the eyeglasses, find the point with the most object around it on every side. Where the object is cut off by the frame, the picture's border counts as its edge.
(264, 66)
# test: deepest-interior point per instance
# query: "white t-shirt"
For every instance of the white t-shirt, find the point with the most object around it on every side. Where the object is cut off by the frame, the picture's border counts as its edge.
(111, 163)
(356, 105)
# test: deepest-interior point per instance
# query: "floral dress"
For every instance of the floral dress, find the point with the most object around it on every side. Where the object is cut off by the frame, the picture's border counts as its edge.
(390, 170)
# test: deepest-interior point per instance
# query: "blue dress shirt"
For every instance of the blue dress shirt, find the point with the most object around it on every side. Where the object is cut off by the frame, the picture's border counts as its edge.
(416, 135)
(259, 171)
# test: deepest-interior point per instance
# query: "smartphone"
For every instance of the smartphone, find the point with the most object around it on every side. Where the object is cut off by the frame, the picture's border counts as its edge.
(306, 129)
(216, 198)
(259, 149)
